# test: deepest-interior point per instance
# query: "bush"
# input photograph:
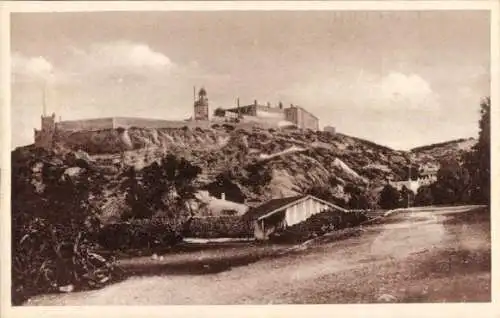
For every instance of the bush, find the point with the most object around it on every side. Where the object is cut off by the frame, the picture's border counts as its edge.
(320, 224)
(138, 234)
(222, 226)
(424, 196)
(54, 228)
(228, 127)
(389, 198)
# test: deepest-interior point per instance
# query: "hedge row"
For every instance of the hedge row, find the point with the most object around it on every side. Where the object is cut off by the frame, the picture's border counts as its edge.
(221, 226)
(138, 234)
(320, 224)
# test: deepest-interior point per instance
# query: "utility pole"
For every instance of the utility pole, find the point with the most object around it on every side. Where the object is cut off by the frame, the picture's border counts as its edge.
(44, 102)
(409, 185)
(238, 106)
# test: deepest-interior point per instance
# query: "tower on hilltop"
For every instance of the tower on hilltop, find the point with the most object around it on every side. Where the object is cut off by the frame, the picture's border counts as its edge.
(201, 106)
(44, 137)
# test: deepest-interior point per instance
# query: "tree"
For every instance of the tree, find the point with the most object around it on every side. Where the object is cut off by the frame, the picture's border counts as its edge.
(389, 197)
(424, 196)
(478, 161)
(134, 197)
(407, 197)
(414, 173)
(453, 183)
(324, 193)
(165, 188)
(359, 202)
(54, 226)
(219, 112)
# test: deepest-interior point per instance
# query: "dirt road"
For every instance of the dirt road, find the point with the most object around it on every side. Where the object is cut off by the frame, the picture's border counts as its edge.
(416, 256)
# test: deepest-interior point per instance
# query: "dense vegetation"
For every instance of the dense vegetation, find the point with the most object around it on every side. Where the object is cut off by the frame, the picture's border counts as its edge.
(54, 227)
(466, 180)
(222, 226)
(319, 224)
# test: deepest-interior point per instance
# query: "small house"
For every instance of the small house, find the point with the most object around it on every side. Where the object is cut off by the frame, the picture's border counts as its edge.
(277, 214)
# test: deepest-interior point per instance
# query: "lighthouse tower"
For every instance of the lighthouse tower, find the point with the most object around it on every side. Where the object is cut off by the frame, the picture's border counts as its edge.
(201, 106)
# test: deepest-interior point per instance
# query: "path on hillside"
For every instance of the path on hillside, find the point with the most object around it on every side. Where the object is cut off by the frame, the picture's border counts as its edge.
(413, 257)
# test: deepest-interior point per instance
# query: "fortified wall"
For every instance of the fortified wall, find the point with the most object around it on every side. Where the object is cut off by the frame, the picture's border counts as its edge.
(86, 132)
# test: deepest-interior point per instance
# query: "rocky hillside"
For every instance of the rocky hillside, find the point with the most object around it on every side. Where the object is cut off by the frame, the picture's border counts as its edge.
(444, 150)
(248, 165)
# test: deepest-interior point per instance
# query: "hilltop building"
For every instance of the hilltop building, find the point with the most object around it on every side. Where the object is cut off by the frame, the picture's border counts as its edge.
(329, 129)
(256, 113)
(302, 118)
(296, 115)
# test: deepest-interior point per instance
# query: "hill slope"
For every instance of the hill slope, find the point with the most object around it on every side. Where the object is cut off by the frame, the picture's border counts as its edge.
(444, 150)
(249, 165)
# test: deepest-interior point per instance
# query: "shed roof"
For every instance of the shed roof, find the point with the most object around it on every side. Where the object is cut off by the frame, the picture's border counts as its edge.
(270, 206)
(275, 205)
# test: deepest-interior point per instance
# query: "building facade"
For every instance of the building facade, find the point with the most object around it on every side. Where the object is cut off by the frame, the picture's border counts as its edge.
(258, 110)
(301, 118)
(293, 114)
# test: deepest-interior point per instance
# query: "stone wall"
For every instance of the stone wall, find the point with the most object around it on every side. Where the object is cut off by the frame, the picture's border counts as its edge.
(126, 122)
(264, 112)
(85, 124)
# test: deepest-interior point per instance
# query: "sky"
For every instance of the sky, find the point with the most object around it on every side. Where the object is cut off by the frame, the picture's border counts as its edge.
(400, 79)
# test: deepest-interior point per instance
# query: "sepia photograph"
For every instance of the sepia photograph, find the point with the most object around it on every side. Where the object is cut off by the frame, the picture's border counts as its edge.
(250, 157)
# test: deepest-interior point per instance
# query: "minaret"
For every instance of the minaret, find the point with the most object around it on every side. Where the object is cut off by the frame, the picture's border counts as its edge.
(201, 106)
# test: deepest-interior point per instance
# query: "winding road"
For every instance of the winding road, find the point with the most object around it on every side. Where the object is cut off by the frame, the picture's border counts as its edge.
(416, 255)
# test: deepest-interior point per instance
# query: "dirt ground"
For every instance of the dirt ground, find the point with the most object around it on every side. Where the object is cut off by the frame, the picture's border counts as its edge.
(417, 256)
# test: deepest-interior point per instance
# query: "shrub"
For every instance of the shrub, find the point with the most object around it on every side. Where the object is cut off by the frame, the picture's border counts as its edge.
(320, 224)
(222, 226)
(424, 196)
(54, 228)
(138, 234)
(389, 197)
(228, 127)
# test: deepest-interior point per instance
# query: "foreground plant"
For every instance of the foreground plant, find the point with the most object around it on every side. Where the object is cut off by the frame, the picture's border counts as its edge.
(54, 228)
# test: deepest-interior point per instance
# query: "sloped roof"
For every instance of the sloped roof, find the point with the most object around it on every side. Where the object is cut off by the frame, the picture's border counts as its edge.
(270, 206)
(275, 205)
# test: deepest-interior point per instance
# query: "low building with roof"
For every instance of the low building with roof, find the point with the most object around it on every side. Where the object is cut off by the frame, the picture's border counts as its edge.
(278, 214)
